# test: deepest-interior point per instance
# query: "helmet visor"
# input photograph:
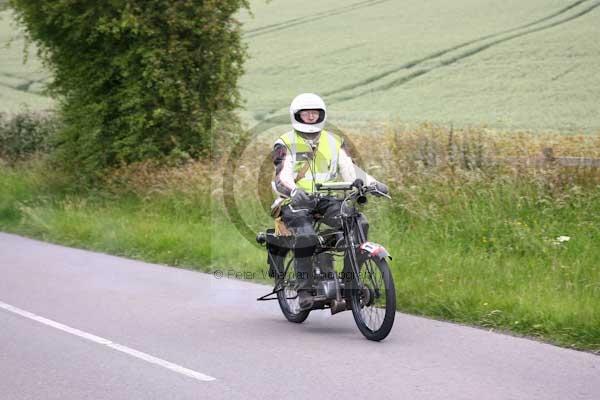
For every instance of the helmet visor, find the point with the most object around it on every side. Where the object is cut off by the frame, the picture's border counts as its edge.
(310, 116)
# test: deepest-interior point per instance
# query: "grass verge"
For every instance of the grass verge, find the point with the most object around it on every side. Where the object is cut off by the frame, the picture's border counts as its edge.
(482, 244)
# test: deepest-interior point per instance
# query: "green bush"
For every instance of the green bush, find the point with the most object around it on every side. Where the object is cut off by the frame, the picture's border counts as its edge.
(26, 134)
(137, 79)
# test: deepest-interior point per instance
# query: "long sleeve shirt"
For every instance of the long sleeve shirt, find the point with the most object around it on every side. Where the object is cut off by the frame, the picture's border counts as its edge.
(284, 169)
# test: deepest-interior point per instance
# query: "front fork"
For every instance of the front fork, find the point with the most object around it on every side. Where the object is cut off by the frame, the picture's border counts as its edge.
(365, 250)
(351, 226)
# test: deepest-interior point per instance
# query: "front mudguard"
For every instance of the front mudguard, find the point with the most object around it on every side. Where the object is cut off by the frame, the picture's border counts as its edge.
(370, 249)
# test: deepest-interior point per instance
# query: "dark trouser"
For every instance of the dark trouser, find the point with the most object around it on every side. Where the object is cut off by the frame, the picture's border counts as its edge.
(300, 222)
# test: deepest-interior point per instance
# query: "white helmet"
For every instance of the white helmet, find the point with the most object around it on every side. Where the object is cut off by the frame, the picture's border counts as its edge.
(308, 101)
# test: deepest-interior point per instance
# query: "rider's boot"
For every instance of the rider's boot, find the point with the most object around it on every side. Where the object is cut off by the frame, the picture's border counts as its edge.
(304, 282)
(303, 253)
(305, 300)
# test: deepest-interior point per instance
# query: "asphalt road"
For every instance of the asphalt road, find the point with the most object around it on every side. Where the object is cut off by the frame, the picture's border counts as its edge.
(152, 323)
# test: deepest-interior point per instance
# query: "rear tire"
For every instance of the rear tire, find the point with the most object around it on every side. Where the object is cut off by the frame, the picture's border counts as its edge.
(374, 305)
(288, 296)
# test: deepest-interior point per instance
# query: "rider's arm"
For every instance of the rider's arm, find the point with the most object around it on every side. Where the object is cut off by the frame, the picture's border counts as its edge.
(350, 171)
(284, 170)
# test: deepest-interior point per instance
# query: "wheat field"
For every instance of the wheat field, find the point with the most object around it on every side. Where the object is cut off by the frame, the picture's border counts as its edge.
(508, 65)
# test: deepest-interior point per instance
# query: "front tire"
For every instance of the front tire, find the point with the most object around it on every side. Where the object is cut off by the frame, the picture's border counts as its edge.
(374, 303)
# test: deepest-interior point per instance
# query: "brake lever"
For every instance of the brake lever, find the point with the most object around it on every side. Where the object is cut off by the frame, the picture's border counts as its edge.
(378, 193)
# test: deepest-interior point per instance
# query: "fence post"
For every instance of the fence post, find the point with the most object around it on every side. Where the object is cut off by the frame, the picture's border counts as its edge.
(548, 157)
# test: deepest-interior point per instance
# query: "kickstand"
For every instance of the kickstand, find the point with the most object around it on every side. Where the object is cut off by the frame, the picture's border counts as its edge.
(278, 284)
(266, 297)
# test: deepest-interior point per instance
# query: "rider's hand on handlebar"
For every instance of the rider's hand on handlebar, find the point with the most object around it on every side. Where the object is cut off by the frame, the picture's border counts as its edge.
(358, 183)
(379, 188)
(301, 200)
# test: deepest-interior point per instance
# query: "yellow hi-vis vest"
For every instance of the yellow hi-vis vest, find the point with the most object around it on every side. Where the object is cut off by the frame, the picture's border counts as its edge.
(323, 160)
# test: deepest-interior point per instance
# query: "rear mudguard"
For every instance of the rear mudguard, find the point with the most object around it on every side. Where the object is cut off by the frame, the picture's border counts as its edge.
(374, 250)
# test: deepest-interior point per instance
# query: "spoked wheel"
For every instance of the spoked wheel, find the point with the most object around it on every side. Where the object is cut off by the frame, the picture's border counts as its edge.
(374, 303)
(288, 297)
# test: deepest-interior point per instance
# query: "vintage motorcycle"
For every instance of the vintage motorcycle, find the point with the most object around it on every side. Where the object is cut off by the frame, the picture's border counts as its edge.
(364, 285)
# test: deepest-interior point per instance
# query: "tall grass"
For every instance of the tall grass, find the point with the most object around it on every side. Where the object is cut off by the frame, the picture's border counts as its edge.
(477, 226)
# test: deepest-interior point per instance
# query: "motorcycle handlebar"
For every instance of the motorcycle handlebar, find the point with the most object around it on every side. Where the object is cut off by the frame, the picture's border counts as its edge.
(358, 184)
(341, 186)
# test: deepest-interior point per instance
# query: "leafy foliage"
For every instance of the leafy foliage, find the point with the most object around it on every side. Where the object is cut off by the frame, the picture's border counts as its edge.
(26, 134)
(137, 79)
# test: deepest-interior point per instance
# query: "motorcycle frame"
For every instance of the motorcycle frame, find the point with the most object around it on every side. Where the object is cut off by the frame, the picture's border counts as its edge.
(349, 223)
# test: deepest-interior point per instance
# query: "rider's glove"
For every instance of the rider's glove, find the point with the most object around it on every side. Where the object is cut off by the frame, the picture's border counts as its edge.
(381, 187)
(358, 183)
(300, 199)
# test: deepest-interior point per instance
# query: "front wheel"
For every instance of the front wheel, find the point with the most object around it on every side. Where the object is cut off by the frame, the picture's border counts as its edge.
(374, 299)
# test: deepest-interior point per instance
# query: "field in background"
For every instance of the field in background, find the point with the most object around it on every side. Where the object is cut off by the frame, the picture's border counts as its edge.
(21, 85)
(510, 65)
(513, 64)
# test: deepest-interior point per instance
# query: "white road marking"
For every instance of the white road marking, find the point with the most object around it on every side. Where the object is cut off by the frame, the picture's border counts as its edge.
(115, 346)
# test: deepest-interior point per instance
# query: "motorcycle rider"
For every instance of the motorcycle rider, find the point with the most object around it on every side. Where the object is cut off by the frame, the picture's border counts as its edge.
(303, 157)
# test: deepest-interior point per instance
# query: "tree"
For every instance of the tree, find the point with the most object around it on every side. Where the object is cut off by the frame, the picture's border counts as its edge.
(137, 79)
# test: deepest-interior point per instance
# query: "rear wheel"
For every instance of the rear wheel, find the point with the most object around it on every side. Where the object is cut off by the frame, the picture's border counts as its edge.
(288, 296)
(374, 301)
